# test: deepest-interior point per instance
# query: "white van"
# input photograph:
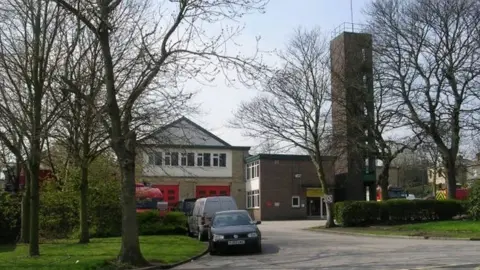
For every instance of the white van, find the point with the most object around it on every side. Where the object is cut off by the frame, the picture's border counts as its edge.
(203, 211)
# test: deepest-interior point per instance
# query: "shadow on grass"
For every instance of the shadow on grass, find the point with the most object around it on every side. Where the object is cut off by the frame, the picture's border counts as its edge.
(7, 248)
(266, 250)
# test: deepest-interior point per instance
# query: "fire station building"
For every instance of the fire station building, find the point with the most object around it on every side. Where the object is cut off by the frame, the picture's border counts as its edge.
(184, 160)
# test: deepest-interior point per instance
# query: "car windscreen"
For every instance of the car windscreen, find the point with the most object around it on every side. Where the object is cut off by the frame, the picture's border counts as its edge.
(188, 206)
(231, 219)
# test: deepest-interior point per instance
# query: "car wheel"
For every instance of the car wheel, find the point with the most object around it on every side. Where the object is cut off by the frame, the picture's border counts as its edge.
(211, 250)
(201, 236)
(258, 249)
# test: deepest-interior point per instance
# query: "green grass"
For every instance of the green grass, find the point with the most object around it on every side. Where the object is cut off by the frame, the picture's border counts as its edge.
(447, 229)
(67, 254)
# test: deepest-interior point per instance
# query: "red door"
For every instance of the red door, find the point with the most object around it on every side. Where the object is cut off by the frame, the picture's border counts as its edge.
(208, 191)
(170, 194)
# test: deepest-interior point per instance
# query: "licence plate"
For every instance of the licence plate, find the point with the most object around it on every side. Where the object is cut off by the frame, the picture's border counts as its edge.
(237, 242)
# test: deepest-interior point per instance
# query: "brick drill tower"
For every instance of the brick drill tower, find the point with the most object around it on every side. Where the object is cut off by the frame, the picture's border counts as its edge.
(353, 111)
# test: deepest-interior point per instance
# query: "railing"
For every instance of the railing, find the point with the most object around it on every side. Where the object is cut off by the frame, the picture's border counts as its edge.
(350, 27)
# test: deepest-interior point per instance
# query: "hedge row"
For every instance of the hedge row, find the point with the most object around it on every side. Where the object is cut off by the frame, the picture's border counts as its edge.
(59, 217)
(396, 211)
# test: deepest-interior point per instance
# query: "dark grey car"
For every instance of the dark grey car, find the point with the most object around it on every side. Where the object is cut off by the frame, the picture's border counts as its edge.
(234, 229)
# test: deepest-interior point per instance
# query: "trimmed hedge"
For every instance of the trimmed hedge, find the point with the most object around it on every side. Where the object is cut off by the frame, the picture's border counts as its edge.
(395, 211)
(474, 201)
(151, 223)
(10, 212)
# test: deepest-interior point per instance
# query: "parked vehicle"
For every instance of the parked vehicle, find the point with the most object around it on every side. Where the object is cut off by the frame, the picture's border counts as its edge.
(186, 206)
(232, 230)
(203, 211)
(149, 199)
(393, 193)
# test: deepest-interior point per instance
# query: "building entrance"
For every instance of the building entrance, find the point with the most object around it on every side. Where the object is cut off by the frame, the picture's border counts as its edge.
(315, 203)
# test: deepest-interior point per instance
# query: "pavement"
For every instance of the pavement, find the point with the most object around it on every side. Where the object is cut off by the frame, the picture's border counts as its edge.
(287, 246)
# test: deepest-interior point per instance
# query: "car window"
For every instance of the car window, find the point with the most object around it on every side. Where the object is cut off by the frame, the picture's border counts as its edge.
(233, 219)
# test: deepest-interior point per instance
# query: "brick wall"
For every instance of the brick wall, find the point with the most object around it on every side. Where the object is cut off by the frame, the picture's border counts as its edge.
(278, 184)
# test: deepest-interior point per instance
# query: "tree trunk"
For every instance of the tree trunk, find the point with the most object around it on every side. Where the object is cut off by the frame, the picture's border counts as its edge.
(330, 216)
(434, 182)
(84, 228)
(34, 248)
(25, 224)
(130, 252)
(451, 178)
(383, 179)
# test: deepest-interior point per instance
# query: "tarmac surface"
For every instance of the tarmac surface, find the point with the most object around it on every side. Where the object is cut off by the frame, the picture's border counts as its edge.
(286, 245)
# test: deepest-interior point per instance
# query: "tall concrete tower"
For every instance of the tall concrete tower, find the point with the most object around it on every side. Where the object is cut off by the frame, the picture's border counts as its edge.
(353, 111)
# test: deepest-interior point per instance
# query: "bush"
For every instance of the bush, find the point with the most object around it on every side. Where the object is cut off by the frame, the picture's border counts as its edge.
(151, 223)
(397, 211)
(58, 213)
(10, 215)
(474, 201)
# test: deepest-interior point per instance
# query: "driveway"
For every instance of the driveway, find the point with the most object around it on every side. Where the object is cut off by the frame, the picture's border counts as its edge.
(287, 246)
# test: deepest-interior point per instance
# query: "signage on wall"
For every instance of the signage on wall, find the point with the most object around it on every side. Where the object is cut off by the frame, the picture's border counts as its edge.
(314, 192)
(269, 203)
(277, 204)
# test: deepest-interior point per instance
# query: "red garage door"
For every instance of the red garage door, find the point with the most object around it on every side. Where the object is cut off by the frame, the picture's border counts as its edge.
(206, 191)
(170, 193)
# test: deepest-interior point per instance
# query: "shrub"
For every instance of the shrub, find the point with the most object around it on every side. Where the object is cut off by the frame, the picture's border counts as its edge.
(397, 211)
(474, 201)
(10, 215)
(151, 223)
(58, 213)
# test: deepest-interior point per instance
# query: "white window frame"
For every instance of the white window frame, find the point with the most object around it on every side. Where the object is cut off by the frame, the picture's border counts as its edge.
(298, 198)
(254, 169)
(215, 156)
(169, 156)
(183, 157)
(253, 199)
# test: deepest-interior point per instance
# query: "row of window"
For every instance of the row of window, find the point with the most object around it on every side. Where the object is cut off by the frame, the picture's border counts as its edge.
(253, 199)
(252, 170)
(188, 159)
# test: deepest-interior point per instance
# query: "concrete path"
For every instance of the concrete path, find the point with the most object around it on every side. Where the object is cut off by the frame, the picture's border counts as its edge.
(287, 246)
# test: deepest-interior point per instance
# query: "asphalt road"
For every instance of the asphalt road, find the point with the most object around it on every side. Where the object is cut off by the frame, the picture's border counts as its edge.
(287, 246)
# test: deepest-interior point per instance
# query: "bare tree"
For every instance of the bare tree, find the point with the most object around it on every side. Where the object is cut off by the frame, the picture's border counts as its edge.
(387, 129)
(294, 104)
(80, 130)
(429, 53)
(29, 57)
(178, 50)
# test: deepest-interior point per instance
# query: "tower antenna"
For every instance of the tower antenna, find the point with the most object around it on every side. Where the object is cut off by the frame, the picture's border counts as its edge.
(351, 14)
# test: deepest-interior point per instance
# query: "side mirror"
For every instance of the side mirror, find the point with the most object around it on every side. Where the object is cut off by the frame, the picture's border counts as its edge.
(258, 222)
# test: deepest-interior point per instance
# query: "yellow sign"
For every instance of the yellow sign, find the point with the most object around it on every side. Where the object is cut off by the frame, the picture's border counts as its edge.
(441, 195)
(314, 192)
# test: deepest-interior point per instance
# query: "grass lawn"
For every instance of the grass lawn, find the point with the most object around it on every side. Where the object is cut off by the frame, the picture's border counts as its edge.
(453, 229)
(66, 254)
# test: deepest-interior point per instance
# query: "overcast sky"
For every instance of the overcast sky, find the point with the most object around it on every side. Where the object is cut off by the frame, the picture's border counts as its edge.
(275, 27)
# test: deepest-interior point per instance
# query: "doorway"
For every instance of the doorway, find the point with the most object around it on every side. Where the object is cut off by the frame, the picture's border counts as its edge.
(313, 207)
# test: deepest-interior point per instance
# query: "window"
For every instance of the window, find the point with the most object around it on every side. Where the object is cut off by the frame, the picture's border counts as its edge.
(174, 158)
(191, 159)
(206, 160)
(215, 160)
(183, 159)
(223, 160)
(253, 199)
(296, 201)
(199, 159)
(158, 158)
(151, 159)
(253, 170)
(167, 159)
